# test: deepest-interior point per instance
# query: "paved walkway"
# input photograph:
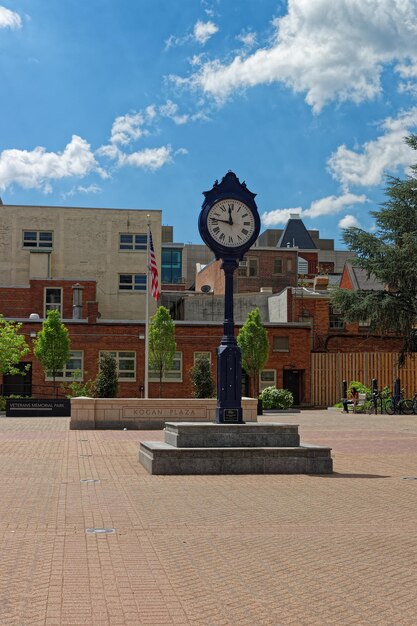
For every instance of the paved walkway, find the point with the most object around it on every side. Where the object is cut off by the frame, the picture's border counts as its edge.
(207, 550)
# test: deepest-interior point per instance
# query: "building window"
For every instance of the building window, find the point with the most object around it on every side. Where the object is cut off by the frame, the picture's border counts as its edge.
(133, 241)
(173, 375)
(132, 282)
(280, 344)
(171, 265)
(53, 299)
(73, 370)
(126, 365)
(37, 239)
(267, 378)
(335, 318)
(278, 266)
(289, 265)
(248, 267)
(197, 355)
(302, 266)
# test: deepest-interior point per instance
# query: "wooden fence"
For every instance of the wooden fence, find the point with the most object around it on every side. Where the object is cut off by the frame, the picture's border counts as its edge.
(329, 370)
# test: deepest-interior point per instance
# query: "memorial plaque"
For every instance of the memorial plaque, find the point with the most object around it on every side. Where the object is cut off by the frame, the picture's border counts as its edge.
(31, 407)
(231, 415)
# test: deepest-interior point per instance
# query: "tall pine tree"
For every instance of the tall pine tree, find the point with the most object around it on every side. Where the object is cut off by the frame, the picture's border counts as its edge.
(390, 255)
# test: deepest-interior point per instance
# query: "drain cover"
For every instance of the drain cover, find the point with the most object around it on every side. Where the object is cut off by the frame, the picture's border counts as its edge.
(100, 531)
(90, 480)
(409, 478)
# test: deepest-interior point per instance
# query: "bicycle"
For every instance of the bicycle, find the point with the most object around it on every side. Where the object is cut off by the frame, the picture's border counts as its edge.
(400, 405)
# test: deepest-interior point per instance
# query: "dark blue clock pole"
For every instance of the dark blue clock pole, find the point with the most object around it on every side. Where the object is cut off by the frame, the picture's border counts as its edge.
(229, 224)
(229, 369)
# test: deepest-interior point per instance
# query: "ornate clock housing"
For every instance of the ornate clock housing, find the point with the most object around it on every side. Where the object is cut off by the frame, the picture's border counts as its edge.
(229, 221)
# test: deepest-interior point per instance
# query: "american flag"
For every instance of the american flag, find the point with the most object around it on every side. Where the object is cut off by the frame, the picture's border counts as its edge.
(154, 270)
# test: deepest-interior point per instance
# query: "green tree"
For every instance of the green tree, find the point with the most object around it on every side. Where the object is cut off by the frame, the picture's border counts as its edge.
(162, 344)
(13, 347)
(201, 378)
(389, 254)
(52, 345)
(253, 342)
(106, 383)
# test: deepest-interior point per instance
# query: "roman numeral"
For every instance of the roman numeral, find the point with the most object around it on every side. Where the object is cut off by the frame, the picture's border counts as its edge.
(216, 230)
(245, 215)
(244, 231)
(246, 223)
(231, 206)
(222, 237)
(223, 208)
(230, 239)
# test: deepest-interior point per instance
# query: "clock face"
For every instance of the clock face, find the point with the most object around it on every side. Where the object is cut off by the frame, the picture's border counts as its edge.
(230, 223)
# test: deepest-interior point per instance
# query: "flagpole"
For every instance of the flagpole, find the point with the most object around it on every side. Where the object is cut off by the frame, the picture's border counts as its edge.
(146, 382)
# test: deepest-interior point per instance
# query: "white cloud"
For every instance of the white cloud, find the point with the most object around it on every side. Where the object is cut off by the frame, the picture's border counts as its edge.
(204, 30)
(170, 110)
(9, 19)
(147, 159)
(349, 221)
(329, 205)
(326, 49)
(248, 39)
(386, 153)
(81, 190)
(36, 169)
(127, 128)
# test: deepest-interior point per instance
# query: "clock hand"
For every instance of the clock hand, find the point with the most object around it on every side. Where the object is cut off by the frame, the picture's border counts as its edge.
(215, 219)
(230, 221)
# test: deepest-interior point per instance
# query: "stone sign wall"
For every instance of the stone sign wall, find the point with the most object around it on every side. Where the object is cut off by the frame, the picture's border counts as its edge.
(145, 414)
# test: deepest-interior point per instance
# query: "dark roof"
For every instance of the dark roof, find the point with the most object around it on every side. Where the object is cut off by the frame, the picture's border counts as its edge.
(296, 235)
(361, 281)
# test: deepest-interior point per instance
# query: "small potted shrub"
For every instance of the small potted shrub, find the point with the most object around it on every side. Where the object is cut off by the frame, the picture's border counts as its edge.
(273, 398)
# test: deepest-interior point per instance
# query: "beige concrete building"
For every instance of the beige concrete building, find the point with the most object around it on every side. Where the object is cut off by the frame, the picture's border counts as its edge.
(68, 243)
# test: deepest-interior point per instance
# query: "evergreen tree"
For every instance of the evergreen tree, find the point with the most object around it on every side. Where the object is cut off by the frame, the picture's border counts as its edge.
(390, 255)
(201, 378)
(13, 347)
(106, 383)
(52, 345)
(162, 344)
(253, 342)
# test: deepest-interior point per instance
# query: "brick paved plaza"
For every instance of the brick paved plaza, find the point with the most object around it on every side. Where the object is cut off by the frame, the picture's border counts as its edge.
(207, 550)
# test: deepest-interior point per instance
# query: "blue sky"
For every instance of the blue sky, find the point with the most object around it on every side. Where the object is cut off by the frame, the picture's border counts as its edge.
(144, 103)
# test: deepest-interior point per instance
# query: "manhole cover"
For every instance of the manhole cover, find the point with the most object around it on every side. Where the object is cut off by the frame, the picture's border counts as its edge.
(409, 478)
(100, 531)
(90, 480)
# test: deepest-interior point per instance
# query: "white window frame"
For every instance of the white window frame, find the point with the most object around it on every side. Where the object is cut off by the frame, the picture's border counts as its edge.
(134, 246)
(51, 306)
(37, 245)
(132, 286)
(199, 353)
(119, 355)
(245, 267)
(274, 349)
(66, 374)
(267, 383)
(167, 377)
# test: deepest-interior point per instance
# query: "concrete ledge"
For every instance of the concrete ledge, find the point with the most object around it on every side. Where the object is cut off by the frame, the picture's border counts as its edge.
(198, 435)
(163, 459)
(147, 414)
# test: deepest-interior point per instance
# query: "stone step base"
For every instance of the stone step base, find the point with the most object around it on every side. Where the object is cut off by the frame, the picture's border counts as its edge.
(250, 435)
(164, 459)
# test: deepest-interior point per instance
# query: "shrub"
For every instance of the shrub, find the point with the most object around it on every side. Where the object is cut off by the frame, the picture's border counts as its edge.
(273, 398)
(201, 378)
(78, 388)
(106, 382)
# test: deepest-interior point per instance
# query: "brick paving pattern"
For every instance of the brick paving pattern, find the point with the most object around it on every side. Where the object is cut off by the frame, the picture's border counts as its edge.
(207, 550)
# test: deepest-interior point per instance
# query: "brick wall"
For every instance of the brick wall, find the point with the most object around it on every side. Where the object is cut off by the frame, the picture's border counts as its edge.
(22, 301)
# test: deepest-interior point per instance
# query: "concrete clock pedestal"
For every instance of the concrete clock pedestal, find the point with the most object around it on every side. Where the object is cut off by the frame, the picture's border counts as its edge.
(256, 448)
